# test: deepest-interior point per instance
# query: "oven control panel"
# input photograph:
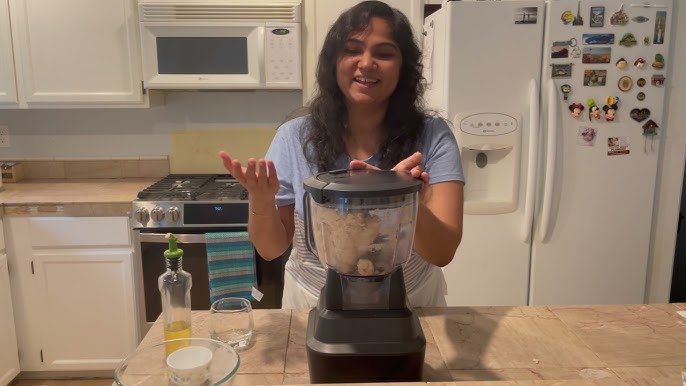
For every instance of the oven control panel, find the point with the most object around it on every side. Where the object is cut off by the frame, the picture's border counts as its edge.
(151, 214)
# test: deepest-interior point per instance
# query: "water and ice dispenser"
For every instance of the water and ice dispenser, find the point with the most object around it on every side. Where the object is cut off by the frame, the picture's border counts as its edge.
(490, 146)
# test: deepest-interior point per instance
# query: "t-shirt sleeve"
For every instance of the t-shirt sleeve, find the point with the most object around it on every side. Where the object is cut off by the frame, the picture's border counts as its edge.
(441, 153)
(281, 153)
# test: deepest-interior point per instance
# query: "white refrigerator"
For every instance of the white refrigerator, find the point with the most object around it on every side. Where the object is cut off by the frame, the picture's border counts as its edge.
(558, 207)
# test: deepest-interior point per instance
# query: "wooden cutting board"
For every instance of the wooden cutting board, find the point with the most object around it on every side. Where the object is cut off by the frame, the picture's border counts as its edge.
(196, 151)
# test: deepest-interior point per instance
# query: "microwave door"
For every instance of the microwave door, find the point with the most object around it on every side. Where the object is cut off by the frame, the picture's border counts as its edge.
(203, 57)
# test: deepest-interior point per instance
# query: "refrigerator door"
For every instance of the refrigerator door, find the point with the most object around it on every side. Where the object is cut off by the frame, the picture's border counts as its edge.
(592, 245)
(493, 65)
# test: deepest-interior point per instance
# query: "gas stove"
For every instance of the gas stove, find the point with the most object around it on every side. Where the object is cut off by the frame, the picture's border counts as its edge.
(191, 200)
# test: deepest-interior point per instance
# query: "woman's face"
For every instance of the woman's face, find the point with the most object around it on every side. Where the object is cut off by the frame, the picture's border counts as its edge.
(368, 69)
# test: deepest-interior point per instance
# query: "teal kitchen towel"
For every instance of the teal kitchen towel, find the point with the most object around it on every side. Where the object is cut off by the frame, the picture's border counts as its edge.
(231, 264)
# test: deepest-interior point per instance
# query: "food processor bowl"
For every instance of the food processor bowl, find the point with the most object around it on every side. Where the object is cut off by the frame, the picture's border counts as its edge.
(361, 222)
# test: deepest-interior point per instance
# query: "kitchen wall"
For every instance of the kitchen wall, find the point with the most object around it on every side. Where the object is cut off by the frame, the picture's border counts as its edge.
(147, 132)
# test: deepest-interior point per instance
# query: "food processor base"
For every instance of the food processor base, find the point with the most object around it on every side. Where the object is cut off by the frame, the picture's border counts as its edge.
(364, 346)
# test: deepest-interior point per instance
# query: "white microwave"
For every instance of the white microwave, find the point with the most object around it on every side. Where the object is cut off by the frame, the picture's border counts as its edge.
(220, 44)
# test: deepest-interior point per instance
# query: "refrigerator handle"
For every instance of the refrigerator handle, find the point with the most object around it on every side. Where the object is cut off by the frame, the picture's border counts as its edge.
(551, 152)
(534, 125)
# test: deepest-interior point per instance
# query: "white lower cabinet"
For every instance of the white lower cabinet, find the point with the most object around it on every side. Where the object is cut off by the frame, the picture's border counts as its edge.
(73, 291)
(9, 358)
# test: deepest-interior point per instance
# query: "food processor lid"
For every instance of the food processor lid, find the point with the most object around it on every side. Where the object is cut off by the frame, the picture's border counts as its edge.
(364, 183)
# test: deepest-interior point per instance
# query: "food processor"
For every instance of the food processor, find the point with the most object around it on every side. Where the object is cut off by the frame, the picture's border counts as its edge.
(360, 224)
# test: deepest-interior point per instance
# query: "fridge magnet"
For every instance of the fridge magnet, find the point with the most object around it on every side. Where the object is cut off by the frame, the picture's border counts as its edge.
(639, 115)
(659, 62)
(578, 20)
(595, 77)
(610, 108)
(641, 82)
(628, 40)
(526, 15)
(639, 63)
(576, 109)
(597, 18)
(594, 55)
(620, 17)
(625, 83)
(646, 40)
(621, 63)
(660, 25)
(559, 50)
(562, 70)
(641, 96)
(566, 17)
(575, 52)
(657, 80)
(566, 89)
(649, 133)
(639, 19)
(618, 146)
(593, 110)
(604, 39)
(586, 136)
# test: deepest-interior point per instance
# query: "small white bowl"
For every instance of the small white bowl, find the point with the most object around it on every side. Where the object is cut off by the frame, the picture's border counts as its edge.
(189, 366)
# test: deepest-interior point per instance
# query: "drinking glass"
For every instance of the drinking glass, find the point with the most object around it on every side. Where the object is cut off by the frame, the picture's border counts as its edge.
(231, 321)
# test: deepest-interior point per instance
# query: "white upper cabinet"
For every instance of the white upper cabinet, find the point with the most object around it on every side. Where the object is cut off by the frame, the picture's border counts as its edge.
(74, 53)
(8, 85)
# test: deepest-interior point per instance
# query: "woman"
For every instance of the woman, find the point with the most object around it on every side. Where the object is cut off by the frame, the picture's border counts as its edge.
(366, 114)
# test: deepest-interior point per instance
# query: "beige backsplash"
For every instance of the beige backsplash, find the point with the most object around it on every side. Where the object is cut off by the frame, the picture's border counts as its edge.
(196, 151)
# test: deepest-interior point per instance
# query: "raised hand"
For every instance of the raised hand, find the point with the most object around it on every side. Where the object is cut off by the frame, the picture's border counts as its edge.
(259, 178)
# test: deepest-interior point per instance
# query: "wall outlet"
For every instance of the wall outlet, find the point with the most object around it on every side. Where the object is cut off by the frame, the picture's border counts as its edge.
(4, 136)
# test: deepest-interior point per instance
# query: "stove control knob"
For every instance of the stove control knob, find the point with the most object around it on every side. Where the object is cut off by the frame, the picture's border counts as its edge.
(141, 215)
(157, 214)
(173, 214)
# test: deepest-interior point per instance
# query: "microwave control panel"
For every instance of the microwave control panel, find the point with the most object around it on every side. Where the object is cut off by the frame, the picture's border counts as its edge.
(282, 56)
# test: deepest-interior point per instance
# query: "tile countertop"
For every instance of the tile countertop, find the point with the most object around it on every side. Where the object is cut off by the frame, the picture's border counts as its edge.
(612, 344)
(86, 197)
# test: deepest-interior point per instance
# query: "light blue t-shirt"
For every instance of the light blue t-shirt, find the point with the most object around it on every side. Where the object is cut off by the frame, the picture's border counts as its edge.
(441, 159)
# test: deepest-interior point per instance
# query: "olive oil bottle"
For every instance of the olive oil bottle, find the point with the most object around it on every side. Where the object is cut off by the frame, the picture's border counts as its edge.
(175, 289)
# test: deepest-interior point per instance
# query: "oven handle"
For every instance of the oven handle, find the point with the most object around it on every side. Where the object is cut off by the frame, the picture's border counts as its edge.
(188, 238)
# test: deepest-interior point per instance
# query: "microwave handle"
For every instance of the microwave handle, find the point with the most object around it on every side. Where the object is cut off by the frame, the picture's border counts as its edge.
(261, 53)
(161, 238)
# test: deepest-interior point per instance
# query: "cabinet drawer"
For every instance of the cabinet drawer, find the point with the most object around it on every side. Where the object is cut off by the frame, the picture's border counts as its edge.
(79, 231)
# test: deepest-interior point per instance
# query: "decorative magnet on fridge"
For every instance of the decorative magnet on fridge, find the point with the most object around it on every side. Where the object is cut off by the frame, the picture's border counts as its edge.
(611, 108)
(628, 40)
(641, 82)
(640, 63)
(593, 109)
(639, 19)
(597, 16)
(657, 80)
(566, 89)
(639, 115)
(566, 17)
(578, 20)
(641, 96)
(621, 63)
(659, 62)
(649, 132)
(576, 109)
(620, 17)
(625, 83)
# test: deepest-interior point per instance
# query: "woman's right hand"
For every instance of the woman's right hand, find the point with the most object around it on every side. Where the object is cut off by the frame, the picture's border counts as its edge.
(259, 178)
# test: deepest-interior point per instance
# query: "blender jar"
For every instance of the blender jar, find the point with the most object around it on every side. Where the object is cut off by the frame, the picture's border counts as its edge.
(361, 222)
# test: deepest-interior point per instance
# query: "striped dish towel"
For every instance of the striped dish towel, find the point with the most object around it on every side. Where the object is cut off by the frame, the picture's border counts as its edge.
(231, 264)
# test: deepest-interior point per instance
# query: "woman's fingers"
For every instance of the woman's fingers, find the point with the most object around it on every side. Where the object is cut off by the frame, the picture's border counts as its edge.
(409, 163)
(361, 165)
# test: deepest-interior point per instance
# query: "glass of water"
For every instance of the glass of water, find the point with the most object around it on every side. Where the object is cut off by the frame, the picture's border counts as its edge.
(231, 321)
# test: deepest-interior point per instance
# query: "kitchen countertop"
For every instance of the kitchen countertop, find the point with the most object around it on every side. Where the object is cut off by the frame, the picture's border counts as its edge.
(84, 197)
(606, 344)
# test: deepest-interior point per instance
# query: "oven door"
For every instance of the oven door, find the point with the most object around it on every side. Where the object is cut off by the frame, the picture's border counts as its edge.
(150, 264)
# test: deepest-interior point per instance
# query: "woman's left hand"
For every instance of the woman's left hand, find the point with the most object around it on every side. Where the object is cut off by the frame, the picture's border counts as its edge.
(411, 165)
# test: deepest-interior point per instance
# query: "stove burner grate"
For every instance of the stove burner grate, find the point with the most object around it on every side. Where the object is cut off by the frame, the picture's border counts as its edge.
(195, 187)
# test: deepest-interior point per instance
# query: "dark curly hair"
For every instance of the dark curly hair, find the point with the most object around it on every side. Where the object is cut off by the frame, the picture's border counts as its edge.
(404, 120)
